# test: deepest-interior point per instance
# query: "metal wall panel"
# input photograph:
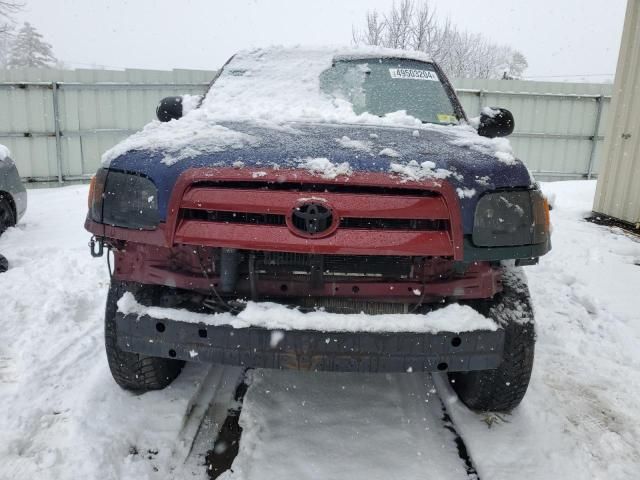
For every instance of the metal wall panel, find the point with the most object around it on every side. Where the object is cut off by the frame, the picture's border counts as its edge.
(555, 122)
(96, 109)
(618, 191)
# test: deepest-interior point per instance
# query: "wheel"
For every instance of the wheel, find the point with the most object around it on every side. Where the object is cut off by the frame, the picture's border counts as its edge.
(130, 370)
(503, 389)
(7, 215)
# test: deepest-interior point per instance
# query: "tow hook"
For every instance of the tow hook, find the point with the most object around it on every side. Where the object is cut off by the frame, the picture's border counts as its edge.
(96, 246)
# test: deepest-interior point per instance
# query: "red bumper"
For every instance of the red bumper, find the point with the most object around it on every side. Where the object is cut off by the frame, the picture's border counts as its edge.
(373, 215)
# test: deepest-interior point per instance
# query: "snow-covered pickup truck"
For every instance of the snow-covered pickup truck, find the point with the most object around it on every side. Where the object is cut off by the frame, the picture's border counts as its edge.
(322, 210)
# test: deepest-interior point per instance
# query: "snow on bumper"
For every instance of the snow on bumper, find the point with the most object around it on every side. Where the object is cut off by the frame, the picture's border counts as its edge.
(265, 346)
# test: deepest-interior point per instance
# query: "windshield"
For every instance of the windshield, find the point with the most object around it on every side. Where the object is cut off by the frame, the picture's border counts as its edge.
(331, 85)
(382, 86)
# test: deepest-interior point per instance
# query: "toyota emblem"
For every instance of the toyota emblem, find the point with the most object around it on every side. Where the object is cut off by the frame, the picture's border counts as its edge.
(312, 218)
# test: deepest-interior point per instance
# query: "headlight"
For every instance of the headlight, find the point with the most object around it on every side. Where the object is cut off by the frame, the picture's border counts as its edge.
(96, 195)
(123, 200)
(511, 218)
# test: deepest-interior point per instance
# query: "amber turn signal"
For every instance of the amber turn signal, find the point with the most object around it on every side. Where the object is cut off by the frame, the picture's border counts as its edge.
(92, 187)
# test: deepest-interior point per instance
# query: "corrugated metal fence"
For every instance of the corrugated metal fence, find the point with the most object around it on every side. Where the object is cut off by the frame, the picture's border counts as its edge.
(58, 123)
(559, 126)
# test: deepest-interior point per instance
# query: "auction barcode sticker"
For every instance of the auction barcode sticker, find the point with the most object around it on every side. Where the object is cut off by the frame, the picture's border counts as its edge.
(413, 74)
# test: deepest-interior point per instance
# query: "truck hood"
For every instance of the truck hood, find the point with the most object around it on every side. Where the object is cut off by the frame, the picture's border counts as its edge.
(472, 164)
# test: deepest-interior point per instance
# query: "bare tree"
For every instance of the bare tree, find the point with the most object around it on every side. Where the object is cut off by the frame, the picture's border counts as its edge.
(424, 27)
(7, 9)
(413, 24)
(373, 32)
(399, 23)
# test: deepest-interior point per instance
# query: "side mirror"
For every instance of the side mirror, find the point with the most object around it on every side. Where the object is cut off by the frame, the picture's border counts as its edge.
(496, 122)
(169, 108)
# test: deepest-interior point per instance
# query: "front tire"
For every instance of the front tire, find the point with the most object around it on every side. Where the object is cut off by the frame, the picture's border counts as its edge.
(130, 370)
(7, 215)
(502, 389)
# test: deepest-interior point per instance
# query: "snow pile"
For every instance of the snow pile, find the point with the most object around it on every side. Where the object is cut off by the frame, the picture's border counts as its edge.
(325, 167)
(190, 103)
(483, 181)
(4, 152)
(180, 139)
(389, 152)
(357, 145)
(275, 85)
(453, 318)
(414, 171)
(466, 192)
(490, 112)
(466, 136)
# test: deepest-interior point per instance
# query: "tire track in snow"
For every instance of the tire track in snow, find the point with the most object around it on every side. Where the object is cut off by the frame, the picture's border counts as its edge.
(329, 425)
(196, 410)
(225, 449)
(206, 416)
(463, 451)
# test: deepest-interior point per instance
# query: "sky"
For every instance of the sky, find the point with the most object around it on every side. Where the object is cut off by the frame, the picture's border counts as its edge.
(562, 39)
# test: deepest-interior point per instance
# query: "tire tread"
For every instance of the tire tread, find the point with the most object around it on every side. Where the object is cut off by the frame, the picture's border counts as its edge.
(130, 370)
(503, 389)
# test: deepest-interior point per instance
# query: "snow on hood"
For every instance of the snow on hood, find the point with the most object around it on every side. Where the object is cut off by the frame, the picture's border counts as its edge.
(325, 167)
(452, 318)
(498, 147)
(177, 140)
(272, 88)
(419, 171)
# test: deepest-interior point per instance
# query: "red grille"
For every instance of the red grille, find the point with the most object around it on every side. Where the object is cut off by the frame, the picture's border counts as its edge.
(374, 215)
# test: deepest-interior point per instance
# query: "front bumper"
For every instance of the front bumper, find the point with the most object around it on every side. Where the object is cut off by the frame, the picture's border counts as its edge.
(310, 350)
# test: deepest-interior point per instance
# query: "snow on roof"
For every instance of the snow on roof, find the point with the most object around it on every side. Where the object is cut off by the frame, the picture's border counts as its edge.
(373, 52)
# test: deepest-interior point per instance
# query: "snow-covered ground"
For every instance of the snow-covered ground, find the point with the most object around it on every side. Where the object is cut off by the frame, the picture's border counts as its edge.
(62, 416)
(581, 415)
